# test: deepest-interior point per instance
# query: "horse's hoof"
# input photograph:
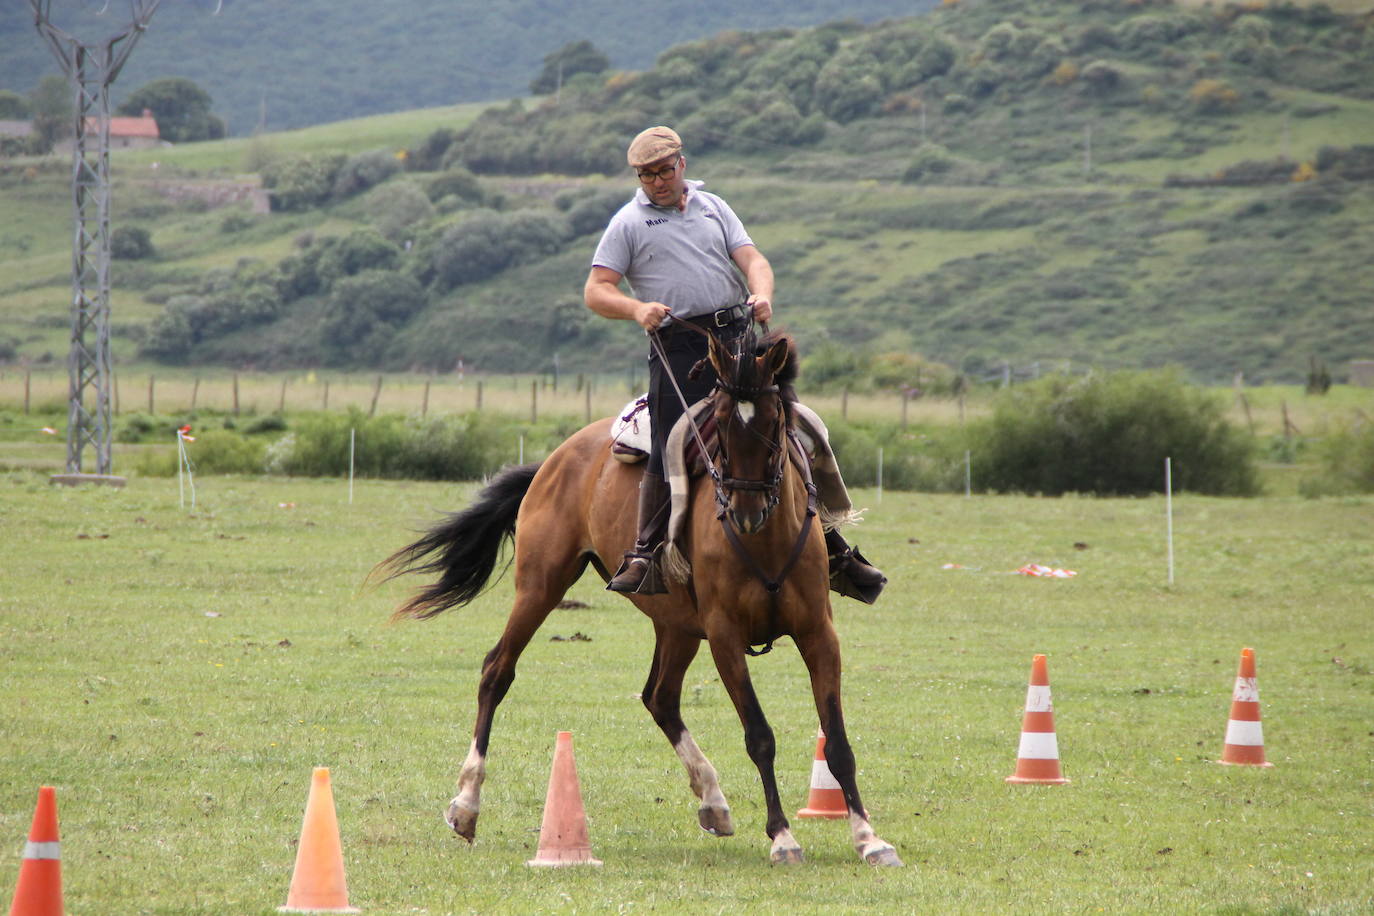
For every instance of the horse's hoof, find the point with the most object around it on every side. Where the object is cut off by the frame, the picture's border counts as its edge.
(883, 855)
(462, 820)
(791, 855)
(716, 821)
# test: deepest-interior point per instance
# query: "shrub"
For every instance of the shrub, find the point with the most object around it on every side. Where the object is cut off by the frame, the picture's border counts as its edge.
(364, 170)
(361, 249)
(398, 206)
(931, 160)
(457, 182)
(1109, 434)
(131, 243)
(302, 182)
(430, 153)
(1347, 459)
(1211, 96)
(215, 451)
(488, 242)
(365, 310)
(443, 448)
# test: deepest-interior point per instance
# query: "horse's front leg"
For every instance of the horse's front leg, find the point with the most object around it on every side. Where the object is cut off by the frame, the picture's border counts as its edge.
(662, 696)
(728, 653)
(821, 652)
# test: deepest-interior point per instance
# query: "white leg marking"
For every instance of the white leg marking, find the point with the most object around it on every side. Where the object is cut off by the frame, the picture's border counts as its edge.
(871, 848)
(786, 850)
(714, 813)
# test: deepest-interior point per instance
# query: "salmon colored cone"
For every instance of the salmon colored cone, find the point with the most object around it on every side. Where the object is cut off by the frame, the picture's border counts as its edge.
(826, 798)
(563, 836)
(1244, 736)
(318, 884)
(39, 891)
(1037, 760)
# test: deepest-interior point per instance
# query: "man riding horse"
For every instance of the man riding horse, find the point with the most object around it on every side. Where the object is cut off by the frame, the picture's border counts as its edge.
(689, 261)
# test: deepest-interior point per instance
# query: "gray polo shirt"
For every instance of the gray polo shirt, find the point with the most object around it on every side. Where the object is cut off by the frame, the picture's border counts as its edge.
(678, 257)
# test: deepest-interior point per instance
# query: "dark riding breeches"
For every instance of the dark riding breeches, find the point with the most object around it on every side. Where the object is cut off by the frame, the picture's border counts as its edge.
(684, 348)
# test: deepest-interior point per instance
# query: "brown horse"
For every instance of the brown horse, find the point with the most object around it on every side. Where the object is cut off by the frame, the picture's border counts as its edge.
(751, 518)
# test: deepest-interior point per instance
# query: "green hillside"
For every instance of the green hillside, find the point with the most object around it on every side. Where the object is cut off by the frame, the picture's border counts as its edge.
(316, 61)
(996, 183)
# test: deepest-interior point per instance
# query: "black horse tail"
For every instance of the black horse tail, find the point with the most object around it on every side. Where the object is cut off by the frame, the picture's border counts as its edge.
(464, 546)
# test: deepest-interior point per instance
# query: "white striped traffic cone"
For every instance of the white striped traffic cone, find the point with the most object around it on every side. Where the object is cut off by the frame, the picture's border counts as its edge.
(1037, 760)
(826, 798)
(39, 892)
(1244, 736)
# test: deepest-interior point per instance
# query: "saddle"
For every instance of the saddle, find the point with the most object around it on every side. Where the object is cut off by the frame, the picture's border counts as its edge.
(632, 437)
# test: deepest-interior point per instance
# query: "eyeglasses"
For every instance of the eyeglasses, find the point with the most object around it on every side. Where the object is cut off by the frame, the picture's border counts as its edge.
(666, 173)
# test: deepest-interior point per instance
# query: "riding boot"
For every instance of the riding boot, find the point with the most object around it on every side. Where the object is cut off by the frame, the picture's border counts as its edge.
(641, 573)
(850, 574)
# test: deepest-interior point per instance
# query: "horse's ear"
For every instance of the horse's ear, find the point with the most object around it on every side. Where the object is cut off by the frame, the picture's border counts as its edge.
(775, 357)
(718, 356)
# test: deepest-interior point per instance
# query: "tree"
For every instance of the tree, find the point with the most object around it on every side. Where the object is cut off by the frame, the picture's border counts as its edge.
(182, 109)
(13, 106)
(574, 57)
(52, 104)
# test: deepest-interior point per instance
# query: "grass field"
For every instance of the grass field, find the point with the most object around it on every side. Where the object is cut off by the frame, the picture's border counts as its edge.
(176, 674)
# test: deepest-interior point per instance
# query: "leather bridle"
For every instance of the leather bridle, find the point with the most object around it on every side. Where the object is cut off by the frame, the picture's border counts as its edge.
(781, 438)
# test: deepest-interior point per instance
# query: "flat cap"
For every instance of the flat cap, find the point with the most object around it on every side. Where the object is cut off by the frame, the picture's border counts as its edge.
(652, 145)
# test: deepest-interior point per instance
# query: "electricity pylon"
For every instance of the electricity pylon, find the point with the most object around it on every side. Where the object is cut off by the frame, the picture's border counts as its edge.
(91, 67)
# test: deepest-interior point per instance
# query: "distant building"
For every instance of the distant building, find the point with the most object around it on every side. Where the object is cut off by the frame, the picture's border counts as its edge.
(125, 133)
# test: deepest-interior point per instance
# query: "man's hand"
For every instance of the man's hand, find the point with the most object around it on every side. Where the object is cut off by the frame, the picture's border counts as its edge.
(762, 308)
(650, 315)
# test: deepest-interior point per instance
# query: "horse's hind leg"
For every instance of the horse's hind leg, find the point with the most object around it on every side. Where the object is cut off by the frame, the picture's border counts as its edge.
(821, 653)
(673, 653)
(540, 583)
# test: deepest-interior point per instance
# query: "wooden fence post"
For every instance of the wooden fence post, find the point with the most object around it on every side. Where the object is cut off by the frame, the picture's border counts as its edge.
(281, 402)
(376, 393)
(478, 408)
(534, 401)
(28, 379)
(195, 393)
(150, 394)
(424, 407)
(236, 394)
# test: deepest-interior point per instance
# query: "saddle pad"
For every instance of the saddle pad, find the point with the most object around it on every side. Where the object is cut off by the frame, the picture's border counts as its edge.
(630, 438)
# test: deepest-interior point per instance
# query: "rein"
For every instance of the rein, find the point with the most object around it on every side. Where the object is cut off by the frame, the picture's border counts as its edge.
(773, 487)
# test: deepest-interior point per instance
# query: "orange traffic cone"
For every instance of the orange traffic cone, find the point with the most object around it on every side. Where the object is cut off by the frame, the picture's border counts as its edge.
(317, 884)
(1037, 760)
(826, 798)
(563, 836)
(39, 892)
(1244, 736)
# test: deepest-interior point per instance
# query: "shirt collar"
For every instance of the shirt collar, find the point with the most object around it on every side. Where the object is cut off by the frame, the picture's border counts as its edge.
(643, 199)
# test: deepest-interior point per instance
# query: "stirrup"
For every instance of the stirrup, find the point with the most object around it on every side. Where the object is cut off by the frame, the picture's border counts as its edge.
(854, 577)
(640, 573)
